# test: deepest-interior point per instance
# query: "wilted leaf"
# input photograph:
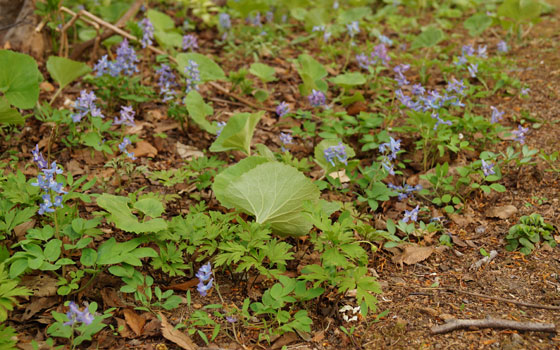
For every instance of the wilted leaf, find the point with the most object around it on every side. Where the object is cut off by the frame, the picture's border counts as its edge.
(501, 212)
(413, 254)
(175, 335)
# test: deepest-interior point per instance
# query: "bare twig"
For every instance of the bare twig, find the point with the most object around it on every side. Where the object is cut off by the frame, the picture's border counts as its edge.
(131, 12)
(454, 324)
(510, 301)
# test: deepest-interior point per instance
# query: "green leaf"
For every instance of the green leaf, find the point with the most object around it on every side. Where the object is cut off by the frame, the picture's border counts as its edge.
(168, 39)
(19, 79)
(231, 174)
(9, 115)
(209, 70)
(428, 38)
(349, 79)
(311, 72)
(520, 10)
(199, 110)
(477, 23)
(89, 257)
(52, 249)
(150, 207)
(237, 133)
(274, 193)
(160, 20)
(64, 70)
(320, 154)
(263, 72)
(123, 218)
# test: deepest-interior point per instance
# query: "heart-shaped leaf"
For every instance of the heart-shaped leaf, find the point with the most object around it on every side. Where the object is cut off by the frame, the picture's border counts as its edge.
(349, 79)
(19, 79)
(273, 192)
(64, 70)
(263, 72)
(477, 23)
(237, 133)
(209, 70)
(428, 38)
(199, 110)
(9, 115)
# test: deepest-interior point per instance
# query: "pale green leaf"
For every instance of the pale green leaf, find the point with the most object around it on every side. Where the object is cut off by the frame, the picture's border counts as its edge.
(122, 217)
(19, 79)
(9, 115)
(477, 23)
(160, 20)
(263, 72)
(237, 133)
(150, 207)
(274, 193)
(428, 38)
(349, 79)
(64, 70)
(199, 110)
(209, 70)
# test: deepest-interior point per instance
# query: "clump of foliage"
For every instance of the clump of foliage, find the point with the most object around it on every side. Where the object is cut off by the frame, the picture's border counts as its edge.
(529, 232)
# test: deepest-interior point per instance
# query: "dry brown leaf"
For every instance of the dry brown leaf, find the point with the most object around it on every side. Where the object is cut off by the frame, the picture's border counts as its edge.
(184, 286)
(74, 167)
(111, 298)
(175, 335)
(124, 330)
(501, 212)
(46, 86)
(135, 322)
(341, 175)
(21, 229)
(188, 152)
(413, 254)
(36, 305)
(285, 339)
(41, 285)
(144, 149)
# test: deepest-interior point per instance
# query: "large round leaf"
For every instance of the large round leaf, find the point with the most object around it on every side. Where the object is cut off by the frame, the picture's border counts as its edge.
(19, 79)
(274, 193)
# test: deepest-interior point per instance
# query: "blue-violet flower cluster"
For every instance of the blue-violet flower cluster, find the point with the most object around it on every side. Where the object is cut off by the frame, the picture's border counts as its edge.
(75, 315)
(205, 279)
(47, 182)
(338, 152)
(193, 76)
(147, 32)
(122, 147)
(85, 104)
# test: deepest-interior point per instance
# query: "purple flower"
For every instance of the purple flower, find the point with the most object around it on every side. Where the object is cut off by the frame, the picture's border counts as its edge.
(405, 191)
(487, 168)
(204, 274)
(317, 98)
(418, 89)
(193, 76)
(256, 20)
(269, 16)
(147, 32)
(401, 79)
(496, 115)
(225, 21)
(467, 50)
(286, 139)
(85, 104)
(473, 69)
(231, 319)
(385, 40)
(166, 82)
(220, 128)
(401, 68)
(380, 53)
(102, 66)
(503, 47)
(482, 51)
(363, 61)
(520, 134)
(393, 146)
(439, 121)
(122, 147)
(353, 28)
(126, 60)
(38, 158)
(75, 315)
(282, 109)
(190, 42)
(388, 166)
(525, 91)
(411, 215)
(338, 152)
(126, 116)
(456, 86)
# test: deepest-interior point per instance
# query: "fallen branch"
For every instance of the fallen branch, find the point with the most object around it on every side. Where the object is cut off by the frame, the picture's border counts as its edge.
(454, 324)
(504, 300)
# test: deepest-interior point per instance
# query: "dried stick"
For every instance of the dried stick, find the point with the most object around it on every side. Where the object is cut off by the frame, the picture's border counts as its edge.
(511, 301)
(489, 322)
